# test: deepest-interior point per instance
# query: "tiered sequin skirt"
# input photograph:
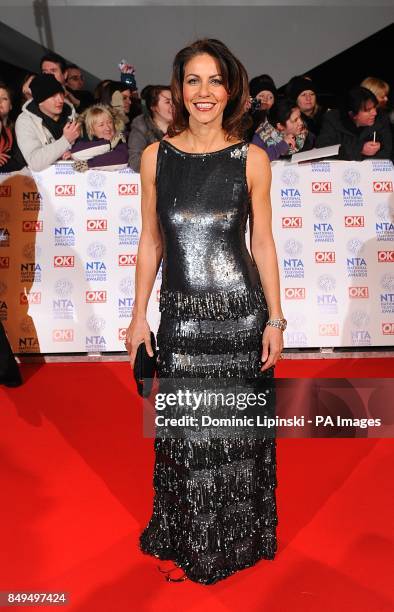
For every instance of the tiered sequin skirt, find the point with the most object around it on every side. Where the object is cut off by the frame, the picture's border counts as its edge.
(214, 509)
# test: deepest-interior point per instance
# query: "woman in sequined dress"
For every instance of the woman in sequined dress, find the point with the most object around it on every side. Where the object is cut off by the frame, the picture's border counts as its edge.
(214, 509)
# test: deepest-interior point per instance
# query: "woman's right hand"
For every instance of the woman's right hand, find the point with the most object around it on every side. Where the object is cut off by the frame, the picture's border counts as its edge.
(137, 332)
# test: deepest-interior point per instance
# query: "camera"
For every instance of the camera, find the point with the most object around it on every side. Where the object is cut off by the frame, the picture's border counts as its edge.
(255, 105)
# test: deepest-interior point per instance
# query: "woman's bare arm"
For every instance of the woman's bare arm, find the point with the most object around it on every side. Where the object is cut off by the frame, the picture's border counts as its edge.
(148, 256)
(258, 171)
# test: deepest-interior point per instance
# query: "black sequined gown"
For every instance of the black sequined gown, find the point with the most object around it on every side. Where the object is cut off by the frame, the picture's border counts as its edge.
(214, 507)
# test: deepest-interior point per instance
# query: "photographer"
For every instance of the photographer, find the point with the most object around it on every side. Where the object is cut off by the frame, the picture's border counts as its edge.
(263, 95)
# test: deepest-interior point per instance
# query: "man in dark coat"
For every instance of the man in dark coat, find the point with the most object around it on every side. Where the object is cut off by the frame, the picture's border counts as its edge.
(361, 130)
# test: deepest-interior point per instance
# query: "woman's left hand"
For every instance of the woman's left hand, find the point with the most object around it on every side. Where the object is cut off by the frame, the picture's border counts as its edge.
(272, 346)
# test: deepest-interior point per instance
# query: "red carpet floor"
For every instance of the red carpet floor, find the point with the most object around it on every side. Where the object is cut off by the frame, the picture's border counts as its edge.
(76, 492)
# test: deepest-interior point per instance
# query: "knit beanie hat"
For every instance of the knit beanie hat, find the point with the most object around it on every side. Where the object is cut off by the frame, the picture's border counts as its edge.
(297, 85)
(262, 83)
(44, 86)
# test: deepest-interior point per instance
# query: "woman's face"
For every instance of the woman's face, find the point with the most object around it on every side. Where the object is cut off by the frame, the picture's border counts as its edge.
(266, 99)
(5, 103)
(306, 101)
(163, 108)
(127, 100)
(103, 127)
(294, 124)
(366, 115)
(204, 94)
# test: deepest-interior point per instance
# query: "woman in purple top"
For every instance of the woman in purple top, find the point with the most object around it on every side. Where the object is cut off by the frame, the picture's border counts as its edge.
(103, 146)
(283, 133)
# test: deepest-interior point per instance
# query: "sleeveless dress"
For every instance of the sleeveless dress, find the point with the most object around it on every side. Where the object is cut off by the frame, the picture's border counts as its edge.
(214, 509)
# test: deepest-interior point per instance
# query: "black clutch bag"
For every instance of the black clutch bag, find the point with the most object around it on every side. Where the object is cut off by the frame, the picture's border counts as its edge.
(145, 367)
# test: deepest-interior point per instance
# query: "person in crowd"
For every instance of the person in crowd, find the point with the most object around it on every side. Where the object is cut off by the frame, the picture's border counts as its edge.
(283, 133)
(98, 91)
(54, 64)
(360, 128)
(75, 86)
(75, 79)
(120, 97)
(302, 91)
(103, 146)
(380, 88)
(26, 94)
(46, 128)
(11, 158)
(262, 89)
(5, 104)
(152, 124)
(263, 95)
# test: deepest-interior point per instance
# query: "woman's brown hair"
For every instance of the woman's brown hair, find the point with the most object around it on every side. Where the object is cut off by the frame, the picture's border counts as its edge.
(151, 94)
(235, 80)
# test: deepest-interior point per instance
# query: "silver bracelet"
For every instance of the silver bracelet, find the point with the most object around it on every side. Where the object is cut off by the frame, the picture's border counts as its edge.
(278, 323)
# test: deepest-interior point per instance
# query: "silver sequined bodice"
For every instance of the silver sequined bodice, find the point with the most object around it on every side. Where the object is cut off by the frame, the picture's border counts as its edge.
(203, 206)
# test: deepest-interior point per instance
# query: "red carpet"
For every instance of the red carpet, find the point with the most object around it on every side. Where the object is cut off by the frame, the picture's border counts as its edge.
(76, 492)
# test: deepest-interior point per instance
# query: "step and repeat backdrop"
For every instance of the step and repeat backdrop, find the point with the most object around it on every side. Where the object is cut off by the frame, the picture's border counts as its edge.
(68, 250)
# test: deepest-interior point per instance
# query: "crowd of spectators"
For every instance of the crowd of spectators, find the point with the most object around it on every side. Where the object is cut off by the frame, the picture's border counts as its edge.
(54, 117)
